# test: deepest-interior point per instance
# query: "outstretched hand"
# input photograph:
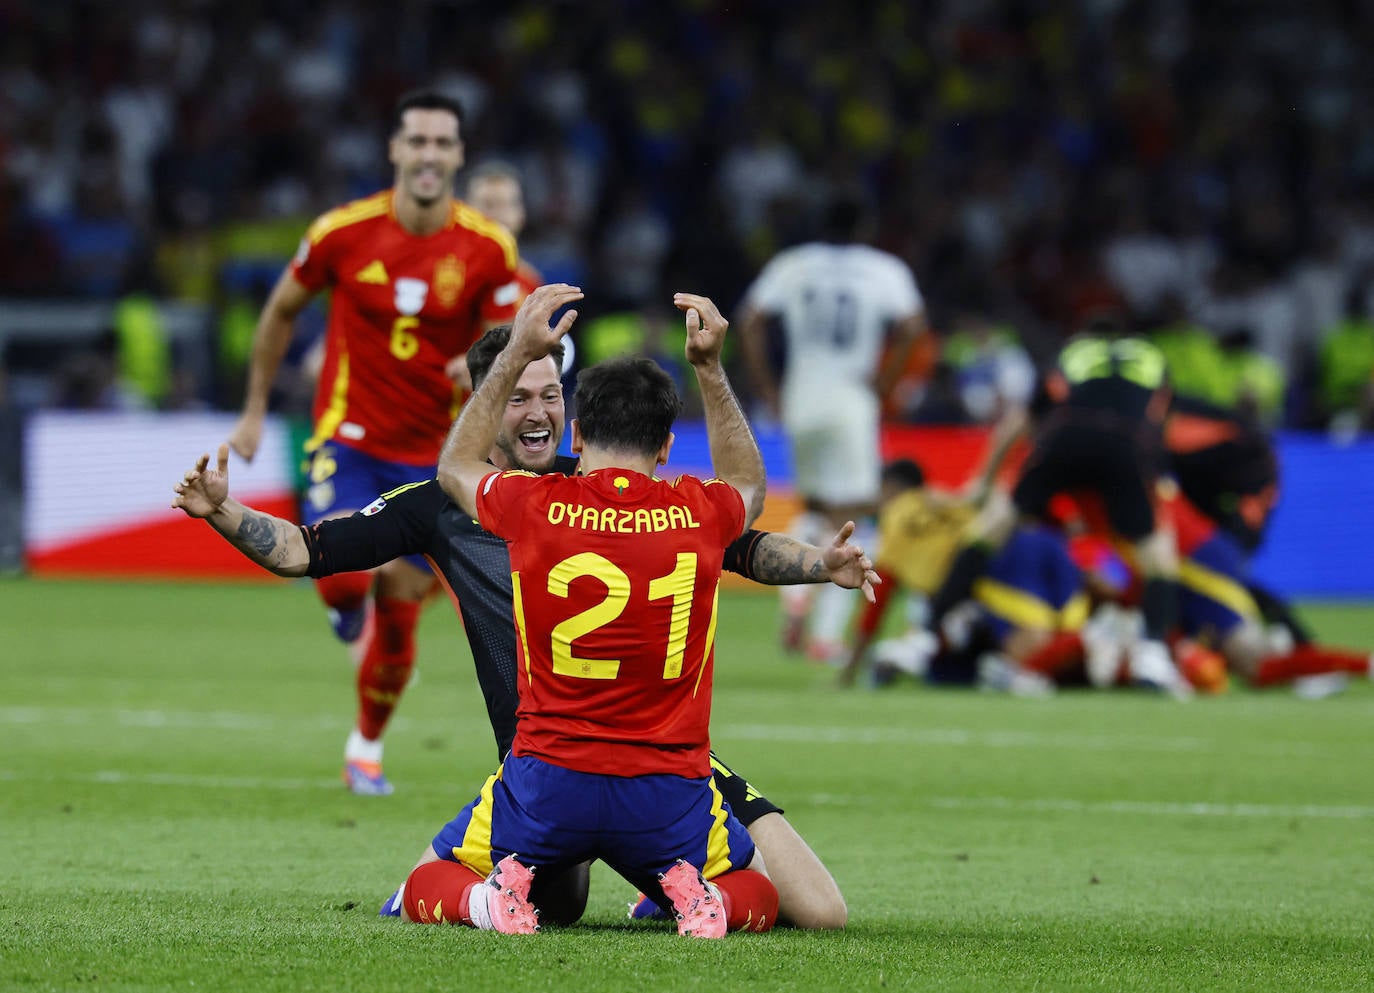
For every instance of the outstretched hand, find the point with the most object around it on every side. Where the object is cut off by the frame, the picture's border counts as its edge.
(848, 565)
(531, 337)
(202, 489)
(705, 327)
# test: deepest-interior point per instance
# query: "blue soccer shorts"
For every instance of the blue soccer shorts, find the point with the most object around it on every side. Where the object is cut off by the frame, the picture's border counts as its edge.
(1212, 595)
(1032, 583)
(638, 825)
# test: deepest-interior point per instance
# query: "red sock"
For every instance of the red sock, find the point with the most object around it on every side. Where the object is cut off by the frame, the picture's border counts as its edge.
(1059, 653)
(437, 893)
(751, 900)
(386, 667)
(1310, 660)
(346, 591)
(872, 614)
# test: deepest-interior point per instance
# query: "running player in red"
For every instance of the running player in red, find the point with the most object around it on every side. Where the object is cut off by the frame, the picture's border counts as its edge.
(415, 277)
(615, 576)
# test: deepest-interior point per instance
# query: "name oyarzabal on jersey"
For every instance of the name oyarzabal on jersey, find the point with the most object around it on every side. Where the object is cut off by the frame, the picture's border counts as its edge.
(623, 520)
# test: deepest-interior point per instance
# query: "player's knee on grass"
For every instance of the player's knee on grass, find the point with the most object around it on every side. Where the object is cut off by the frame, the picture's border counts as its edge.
(808, 896)
(561, 896)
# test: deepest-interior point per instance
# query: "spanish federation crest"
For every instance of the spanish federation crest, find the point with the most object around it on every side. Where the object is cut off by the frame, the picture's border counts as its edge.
(449, 275)
(410, 295)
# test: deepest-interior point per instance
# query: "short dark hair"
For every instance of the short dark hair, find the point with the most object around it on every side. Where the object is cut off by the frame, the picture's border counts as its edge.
(626, 404)
(483, 353)
(425, 100)
(906, 473)
(843, 218)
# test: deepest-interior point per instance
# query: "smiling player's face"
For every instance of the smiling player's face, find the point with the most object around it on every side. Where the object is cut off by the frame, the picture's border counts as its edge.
(426, 152)
(532, 425)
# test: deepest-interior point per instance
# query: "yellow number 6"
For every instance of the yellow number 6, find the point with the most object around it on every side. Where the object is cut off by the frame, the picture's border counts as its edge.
(404, 345)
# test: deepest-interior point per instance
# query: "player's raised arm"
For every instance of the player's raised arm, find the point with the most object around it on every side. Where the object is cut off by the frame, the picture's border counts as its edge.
(463, 461)
(273, 543)
(735, 455)
(270, 341)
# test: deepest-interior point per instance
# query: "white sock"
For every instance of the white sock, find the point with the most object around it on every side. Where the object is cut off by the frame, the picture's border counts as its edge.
(479, 907)
(360, 749)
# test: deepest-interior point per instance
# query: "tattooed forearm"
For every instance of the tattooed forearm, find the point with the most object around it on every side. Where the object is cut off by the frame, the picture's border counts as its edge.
(779, 560)
(262, 537)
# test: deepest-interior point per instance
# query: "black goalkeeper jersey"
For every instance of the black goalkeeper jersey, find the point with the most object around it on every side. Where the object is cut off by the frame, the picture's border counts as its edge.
(420, 519)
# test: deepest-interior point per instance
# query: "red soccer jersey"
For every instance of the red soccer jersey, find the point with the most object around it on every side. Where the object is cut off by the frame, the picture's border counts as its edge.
(615, 578)
(402, 306)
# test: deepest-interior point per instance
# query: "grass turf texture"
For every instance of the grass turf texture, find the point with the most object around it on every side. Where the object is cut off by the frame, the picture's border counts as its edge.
(171, 816)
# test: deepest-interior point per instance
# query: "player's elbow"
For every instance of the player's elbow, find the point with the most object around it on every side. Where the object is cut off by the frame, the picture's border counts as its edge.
(449, 478)
(753, 495)
(458, 485)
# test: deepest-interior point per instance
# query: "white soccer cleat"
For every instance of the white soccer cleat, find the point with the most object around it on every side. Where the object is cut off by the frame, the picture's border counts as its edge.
(1320, 686)
(1107, 638)
(999, 673)
(1151, 666)
(910, 653)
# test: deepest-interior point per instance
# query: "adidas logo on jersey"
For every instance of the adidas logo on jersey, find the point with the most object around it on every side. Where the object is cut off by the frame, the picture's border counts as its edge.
(373, 272)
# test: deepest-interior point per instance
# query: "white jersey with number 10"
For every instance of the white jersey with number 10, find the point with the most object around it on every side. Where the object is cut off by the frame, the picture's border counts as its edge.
(836, 303)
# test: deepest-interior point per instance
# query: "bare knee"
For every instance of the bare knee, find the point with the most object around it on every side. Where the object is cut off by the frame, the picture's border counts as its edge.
(807, 894)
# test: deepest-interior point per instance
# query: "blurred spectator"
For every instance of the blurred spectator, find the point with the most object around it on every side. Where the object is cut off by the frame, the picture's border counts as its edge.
(1077, 155)
(993, 371)
(1346, 364)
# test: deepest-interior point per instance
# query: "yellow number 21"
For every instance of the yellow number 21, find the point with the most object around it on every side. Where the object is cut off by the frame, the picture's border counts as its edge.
(678, 585)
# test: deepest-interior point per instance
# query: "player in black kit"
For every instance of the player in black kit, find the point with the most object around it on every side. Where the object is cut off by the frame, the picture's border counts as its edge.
(1101, 440)
(420, 519)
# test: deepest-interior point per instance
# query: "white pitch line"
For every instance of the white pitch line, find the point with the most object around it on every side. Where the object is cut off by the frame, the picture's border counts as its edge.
(217, 720)
(1154, 808)
(116, 777)
(963, 738)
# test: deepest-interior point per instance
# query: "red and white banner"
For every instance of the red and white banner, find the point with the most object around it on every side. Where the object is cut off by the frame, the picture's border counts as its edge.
(98, 489)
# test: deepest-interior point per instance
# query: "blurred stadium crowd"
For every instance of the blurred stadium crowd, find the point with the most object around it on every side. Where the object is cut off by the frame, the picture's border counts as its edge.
(1205, 168)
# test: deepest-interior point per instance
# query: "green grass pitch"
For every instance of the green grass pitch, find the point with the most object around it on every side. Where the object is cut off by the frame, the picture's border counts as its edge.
(171, 818)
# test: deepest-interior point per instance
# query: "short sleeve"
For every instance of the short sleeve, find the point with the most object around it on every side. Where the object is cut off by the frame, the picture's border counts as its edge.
(728, 505)
(900, 289)
(768, 291)
(502, 296)
(500, 497)
(311, 265)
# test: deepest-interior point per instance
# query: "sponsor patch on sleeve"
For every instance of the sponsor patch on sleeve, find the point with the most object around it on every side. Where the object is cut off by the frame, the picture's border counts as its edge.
(374, 507)
(506, 295)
